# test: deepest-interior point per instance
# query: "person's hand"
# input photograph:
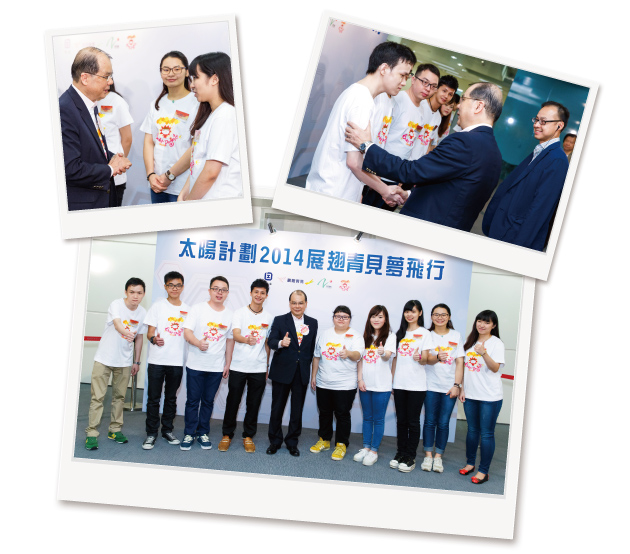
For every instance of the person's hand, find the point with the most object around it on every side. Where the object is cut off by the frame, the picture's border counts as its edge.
(128, 335)
(226, 372)
(343, 354)
(155, 184)
(462, 396)
(251, 340)
(362, 386)
(395, 196)
(203, 344)
(380, 349)
(356, 136)
(454, 392)
(163, 180)
(314, 383)
(441, 356)
(134, 369)
(286, 341)
(417, 356)
(159, 340)
(480, 348)
(119, 164)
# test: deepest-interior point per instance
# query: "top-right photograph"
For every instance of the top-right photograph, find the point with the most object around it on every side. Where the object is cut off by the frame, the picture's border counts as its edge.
(436, 146)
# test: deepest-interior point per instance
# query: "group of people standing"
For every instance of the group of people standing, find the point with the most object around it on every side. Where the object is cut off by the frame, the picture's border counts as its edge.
(190, 145)
(422, 367)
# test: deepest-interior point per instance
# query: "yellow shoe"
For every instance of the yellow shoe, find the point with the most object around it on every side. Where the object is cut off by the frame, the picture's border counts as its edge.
(339, 452)
(320, 445)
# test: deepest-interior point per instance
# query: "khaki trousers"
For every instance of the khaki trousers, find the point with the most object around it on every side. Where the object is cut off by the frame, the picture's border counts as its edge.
(100, 380)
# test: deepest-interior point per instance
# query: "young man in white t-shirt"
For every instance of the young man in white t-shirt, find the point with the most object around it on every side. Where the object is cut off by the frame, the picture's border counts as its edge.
(165, 322)
(208, 331)
(250, 326)
(118, 355)
(336, 169)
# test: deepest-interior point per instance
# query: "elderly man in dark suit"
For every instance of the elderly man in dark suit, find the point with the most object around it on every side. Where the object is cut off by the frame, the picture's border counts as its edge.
(89, 166)
(292, 338)
(524, 205)
(454, 181)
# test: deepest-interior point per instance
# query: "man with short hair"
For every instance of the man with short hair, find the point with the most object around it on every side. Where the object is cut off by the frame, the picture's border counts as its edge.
(118, 356)
(524, 205)
(292, 337)
(454, 181)
(250, 360)
(165, 321)
(208, 331)
(568, 144)
(89, 166)
(336, 167)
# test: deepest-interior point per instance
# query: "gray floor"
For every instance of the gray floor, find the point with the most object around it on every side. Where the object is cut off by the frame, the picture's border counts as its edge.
(317, 466)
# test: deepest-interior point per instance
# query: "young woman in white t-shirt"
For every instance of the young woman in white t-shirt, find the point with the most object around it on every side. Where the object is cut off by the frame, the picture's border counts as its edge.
(375, 381)
(334, 380)
(215, 167)
(483, 391)
(445, 373)
(448, 113)
(167, 139)
(410, 383)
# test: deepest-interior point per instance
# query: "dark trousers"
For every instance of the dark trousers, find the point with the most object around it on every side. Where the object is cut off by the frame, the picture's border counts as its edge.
(279, 396)
(170, 377)
(339, 403)
(120, 192)
(255, 389)
(408, 405)
(162, 197)
(201, 388)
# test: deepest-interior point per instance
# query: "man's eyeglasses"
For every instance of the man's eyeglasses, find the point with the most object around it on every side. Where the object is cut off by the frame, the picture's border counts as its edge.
(177, 70)
(171, 286)
(544, 122)
(342, 317)
(104, 77)
(217, 289)
(426, 83)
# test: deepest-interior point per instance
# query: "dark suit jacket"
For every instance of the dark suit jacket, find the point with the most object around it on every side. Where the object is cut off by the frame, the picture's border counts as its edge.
(522, 207)
(285, 360)
(453, 182)
(88, 177)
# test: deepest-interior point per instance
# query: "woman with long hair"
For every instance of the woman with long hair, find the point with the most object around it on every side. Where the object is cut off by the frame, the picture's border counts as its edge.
(115, 121)
(167, 138)
(413, 343)
(375, 381)
(215, 167)
(334, 380)
(483, 391)
(447, 111)
(445, 373)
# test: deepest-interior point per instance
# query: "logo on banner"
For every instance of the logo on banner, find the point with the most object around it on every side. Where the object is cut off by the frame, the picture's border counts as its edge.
(344, 286)
(268, 276)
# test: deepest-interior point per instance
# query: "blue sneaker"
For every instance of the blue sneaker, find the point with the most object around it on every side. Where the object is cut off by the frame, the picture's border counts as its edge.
(204, 441)
(187, 442)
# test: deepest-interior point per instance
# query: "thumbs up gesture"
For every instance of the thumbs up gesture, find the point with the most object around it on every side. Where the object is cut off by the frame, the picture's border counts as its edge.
(203, 344)
(158, 340)
(344, 353)
(480, 348)
(251, 340)
(380, 349)
(417, 356)
(286, 341)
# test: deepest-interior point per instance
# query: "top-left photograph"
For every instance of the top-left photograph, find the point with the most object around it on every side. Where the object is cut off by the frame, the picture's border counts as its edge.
(148, 127)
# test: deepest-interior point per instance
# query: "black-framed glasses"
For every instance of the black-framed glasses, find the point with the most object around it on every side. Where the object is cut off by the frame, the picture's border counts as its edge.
(440, 316)
(177, 70)
(217, 289)
(426, 83)
(544, 122)
(175, 287)
(342, 317)
(104, 77)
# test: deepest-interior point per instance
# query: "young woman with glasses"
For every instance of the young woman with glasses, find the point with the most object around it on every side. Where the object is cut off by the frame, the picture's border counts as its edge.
(167, 138)
(445, 373)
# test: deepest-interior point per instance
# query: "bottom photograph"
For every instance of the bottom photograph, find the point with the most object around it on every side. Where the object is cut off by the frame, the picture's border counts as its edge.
(320, 356)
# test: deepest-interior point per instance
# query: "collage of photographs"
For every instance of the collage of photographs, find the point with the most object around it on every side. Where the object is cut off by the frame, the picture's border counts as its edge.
(358, 324)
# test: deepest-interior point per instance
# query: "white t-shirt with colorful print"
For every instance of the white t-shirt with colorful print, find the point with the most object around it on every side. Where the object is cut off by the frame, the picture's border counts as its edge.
(168, 320)
(409, 374)
(441, 376)
(113, 114)
(170, 128)
(382, 118)
(113, 349)
(406, 121)
(251, 358)
(377, 373)
(335, 373)
(216, 327)
(428, 129)
(481, 383)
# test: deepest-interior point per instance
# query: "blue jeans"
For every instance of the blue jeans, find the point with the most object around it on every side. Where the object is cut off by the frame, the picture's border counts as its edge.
(374, 406)
(162, 197)
(438, 407)
(201, 388)
(482, 418)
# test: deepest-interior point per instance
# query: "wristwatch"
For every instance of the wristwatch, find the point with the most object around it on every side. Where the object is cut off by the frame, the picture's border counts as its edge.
(170, 176)
(152, 339)
(364, 146)
(458, 385)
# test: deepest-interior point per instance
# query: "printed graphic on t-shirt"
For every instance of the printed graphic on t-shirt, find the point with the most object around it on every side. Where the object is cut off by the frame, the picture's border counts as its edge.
(371, 355)
(331, 352)
(175, 326)
(473, 363)
(382, 134)
(425, 133)
(214, 331)
(409, 136)
(405, 347)
(451, 346)
(257, 332)
(106, 109)
(130, 325)
(165, 135)
(195, 141)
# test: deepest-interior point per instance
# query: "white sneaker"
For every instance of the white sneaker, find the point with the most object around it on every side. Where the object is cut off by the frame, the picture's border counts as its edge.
(427, 464)
(370, 458)
(358, 457)
(437, 465)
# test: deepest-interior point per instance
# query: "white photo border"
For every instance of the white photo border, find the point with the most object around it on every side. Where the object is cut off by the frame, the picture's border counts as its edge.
(149, 217)
(416, 232)
(416, 509)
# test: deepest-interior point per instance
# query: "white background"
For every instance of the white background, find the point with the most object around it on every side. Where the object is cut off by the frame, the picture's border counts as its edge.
(575, 402)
